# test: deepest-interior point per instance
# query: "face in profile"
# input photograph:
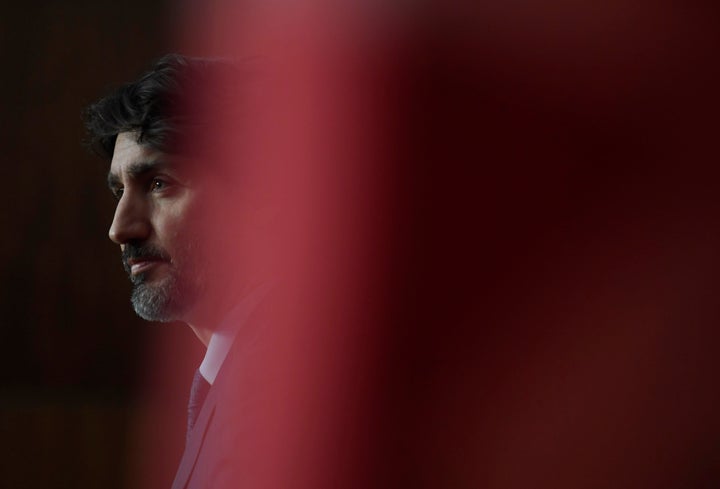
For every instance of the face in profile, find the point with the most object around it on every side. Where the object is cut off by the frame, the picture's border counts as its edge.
(155, 224)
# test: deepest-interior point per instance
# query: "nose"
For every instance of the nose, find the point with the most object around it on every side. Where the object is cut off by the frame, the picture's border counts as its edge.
(131, 221)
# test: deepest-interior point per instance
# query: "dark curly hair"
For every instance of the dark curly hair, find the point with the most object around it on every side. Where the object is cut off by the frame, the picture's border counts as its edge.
(177, 99)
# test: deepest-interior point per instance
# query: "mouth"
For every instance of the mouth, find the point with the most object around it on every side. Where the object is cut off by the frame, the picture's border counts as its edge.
(142, 265)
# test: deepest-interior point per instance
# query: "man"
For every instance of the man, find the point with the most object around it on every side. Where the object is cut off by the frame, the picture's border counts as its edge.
(184, 234)
(541, 312)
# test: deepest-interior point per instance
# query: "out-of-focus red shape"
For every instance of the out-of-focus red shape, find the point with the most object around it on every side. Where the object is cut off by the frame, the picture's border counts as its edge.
(496, 237)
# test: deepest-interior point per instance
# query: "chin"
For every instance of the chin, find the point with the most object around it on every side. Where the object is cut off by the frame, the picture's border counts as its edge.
(158, 302)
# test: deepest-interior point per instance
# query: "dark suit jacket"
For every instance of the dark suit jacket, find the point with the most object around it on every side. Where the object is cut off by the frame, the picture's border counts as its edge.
(219, 450)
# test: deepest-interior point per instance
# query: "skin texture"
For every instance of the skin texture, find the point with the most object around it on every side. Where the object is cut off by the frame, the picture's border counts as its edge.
(158, 209)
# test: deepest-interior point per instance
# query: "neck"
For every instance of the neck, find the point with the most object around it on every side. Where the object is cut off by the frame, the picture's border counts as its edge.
(203, 334)
(206, 318)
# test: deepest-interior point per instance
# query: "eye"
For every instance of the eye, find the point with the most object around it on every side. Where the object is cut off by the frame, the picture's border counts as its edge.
(157, 184)
(118, 192)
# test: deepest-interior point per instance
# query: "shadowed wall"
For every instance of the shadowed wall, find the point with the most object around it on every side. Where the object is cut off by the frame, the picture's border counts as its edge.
(72, 355)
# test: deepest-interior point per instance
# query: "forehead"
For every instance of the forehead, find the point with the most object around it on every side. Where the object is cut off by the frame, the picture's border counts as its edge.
(128, 153)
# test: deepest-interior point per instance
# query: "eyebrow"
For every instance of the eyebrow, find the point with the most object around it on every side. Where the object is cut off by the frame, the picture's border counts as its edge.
(134, 171)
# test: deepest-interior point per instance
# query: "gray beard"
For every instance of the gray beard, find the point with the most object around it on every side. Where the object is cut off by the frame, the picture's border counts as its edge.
(183, 287)
(166, 300)
(155, 302)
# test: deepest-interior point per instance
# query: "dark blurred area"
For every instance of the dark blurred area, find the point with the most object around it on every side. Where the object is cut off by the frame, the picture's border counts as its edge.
(72, 361)
(540, 301)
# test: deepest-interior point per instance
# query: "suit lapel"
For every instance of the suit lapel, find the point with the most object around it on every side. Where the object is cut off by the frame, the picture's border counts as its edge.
(195, 441)
(224, 383)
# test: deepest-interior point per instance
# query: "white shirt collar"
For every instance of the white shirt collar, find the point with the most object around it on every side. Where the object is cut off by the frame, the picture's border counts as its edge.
(222, 338)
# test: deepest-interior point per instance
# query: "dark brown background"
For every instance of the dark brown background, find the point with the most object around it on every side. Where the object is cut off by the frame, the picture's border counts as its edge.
(73, 358)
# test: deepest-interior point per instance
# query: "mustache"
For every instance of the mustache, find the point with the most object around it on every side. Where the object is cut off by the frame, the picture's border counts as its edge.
(149, 251)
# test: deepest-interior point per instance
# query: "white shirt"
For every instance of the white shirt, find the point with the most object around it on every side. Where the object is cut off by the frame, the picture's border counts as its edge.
(223, 337)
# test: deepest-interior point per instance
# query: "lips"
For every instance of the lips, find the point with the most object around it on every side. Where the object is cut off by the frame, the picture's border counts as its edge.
(141, 265)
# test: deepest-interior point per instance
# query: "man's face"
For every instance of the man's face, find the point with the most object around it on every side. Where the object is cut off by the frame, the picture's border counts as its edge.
(155, 226)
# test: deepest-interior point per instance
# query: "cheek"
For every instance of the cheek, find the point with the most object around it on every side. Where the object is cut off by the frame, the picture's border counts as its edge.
(203, 229)
(221, 228)
(177, 224)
